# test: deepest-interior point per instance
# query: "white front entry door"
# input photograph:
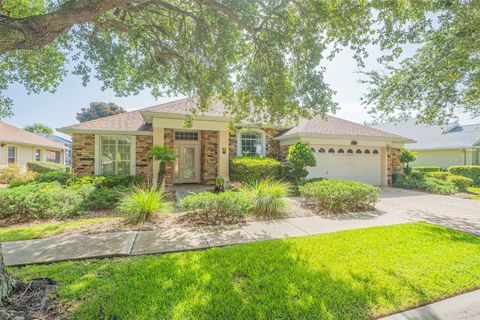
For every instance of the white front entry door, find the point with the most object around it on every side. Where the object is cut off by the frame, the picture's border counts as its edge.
(347, 163)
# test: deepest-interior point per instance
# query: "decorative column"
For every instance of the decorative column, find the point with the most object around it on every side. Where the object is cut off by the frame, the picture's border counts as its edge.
(223, 154)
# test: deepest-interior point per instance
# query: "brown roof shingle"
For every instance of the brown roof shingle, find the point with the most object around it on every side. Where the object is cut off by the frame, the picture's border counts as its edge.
(14, 135)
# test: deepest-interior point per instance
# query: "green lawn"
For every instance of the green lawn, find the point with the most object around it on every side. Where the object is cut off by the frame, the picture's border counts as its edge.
(46, 229)
(475, 190)
(345, 275)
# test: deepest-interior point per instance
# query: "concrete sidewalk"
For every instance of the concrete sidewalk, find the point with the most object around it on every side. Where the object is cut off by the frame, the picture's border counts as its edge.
(170, 240)
(465, 307)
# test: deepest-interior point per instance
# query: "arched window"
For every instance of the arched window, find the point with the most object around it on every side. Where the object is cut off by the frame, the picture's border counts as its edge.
(331, 150)
(367, 151)
(313, 150)
(251, 143)
(349, 151)
(340, 151)
(321, 150)
(358, 151)
(375, 151)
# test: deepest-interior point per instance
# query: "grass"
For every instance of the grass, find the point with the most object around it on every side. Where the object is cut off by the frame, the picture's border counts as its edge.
(475, 190)
(46, 229)
(353, 274)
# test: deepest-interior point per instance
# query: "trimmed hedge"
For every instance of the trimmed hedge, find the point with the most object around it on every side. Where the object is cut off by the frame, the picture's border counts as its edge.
(40, 200)
(426, 169)
(44, 167)
(460, 181)
(229, 202)
(249, 169)
(340, 195)
(472, 172)
(58, 176)
(427, 184)
(106, 181)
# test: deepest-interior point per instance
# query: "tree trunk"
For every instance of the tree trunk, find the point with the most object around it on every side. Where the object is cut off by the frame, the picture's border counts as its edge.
(161, 174)
(6, 282)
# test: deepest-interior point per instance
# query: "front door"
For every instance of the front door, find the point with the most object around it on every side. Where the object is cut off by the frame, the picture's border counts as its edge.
(187, 165)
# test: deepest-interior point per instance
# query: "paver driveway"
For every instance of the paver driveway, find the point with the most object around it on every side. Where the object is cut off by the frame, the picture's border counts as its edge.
(453, 212)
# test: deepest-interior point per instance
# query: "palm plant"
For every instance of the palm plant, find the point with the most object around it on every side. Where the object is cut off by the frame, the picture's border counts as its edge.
(267, 196)
(164, 155)
(141, 203)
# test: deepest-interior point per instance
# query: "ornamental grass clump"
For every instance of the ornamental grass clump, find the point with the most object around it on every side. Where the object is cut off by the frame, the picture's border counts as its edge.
(140, 204)
(267, 196)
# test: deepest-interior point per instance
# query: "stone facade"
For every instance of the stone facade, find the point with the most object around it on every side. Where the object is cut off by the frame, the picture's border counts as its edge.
(169, 166)
(83, 154)
(209, 156)
(393, 163)
(143, 164)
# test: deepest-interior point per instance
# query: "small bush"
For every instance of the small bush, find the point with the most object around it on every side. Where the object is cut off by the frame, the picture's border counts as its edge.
(300, 156)
(340, 195)
(427, 184)
(40, 200)
(267, 197)
(58, 176)
(461, 182)
(300, 183)
(248, 169)
(15, 176)
(229, 202)
(141, 203)
(472, 172)
(99, 198)
(44, 167)
(106, 181)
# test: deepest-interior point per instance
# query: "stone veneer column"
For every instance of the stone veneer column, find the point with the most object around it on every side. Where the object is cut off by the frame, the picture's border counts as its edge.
(209, 156)
(393, 163)
(83, 154)
(143, 163)
(223, 154)
(168, 142)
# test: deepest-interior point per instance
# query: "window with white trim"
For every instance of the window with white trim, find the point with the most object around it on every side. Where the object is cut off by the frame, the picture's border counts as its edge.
(251, 143)
(115, 155)
(12, 155)
(38, 154)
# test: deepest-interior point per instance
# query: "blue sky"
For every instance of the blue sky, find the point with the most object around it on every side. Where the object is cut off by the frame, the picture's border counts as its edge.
(59, 109)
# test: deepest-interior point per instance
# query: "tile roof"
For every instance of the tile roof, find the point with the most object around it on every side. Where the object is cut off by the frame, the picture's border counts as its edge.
(430, 137)
(12, 134)
(330, 125)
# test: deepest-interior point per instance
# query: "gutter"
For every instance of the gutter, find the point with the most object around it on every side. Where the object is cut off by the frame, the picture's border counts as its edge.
(334, 136)
(69, 131)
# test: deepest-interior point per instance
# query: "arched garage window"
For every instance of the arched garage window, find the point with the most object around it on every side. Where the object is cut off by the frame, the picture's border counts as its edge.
(340, 151)
(321, 150)
(251, 143)
(367, 151)
(331, 150)
(358, 151)
(375, 151)
(349, 151)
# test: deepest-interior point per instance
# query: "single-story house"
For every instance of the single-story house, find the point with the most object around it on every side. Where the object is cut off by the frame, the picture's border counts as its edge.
(119, 145)
(443, 146)
(18, 146)
(66, 142)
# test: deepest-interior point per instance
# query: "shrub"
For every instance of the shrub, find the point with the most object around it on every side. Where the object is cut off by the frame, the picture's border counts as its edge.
(140, 203)
(44, 166)
(428, 169)
(248, 169)
(427, 184)
(461, 182)
(58, 176)
(99, 198)
(340, 195)
(40, 200)
(301, 156)
(267, 197)
(15, 176)
(107, 181)
(472, 172)
(230, 202)
(300, 183)
(406, 157)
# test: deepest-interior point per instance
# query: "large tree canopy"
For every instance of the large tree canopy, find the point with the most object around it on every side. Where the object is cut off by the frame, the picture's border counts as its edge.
(261, 57)
(98, 110)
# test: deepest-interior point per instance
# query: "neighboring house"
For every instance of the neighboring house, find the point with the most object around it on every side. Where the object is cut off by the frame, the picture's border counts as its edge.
(444, 146)
(67, 143)
(119, 144)
(18, 146)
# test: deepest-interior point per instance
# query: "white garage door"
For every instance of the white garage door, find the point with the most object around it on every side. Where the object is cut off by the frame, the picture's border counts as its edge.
(347, 163)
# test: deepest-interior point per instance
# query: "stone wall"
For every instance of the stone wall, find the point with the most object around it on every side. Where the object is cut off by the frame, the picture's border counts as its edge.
(209, 156)
(143, 165)
(393, 163)
(83, 154)
(169, 166)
